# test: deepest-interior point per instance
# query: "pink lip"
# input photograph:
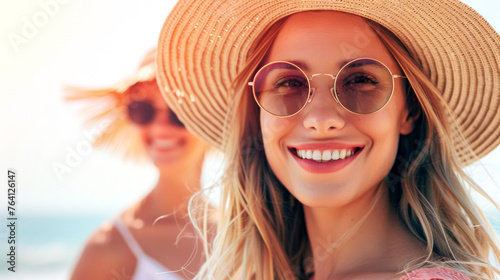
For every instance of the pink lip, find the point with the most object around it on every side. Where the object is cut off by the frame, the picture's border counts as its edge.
(324, 167)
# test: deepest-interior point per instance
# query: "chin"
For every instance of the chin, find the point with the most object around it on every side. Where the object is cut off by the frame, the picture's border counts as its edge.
(332, 193)
(165, 162)
(322, 196)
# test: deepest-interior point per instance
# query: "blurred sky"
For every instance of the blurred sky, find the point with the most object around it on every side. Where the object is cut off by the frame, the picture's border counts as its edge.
(89, 43)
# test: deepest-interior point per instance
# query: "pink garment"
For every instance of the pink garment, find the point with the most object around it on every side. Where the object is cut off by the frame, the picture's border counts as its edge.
(435, 273)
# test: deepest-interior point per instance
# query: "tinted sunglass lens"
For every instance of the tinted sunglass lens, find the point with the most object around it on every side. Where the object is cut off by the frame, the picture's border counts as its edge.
(174, 119)
(141, 112)
(364, 86)
(281, 88)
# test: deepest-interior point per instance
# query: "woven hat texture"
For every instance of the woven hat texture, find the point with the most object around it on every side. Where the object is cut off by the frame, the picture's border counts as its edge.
(204, 44)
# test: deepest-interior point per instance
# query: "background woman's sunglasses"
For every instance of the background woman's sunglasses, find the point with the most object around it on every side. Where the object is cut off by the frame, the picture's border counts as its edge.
(143, 113)
(362, 86)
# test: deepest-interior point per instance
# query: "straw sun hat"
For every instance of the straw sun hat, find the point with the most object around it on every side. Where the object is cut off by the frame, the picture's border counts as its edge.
(204, 44)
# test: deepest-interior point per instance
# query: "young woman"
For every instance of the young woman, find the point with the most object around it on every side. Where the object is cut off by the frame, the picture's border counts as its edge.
(152, 239)
(346, 125)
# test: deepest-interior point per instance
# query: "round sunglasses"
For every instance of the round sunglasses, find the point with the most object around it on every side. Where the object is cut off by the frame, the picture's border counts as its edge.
(143, 113)
(361, 86)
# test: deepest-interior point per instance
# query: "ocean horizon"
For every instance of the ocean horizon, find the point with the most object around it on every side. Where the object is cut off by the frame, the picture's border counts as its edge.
(48, 246)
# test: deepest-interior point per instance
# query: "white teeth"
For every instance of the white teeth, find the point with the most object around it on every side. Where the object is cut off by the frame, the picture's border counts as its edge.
(309, 154)
(316, 155)
(342, 154)
(335, 154)
(299, 153)
(165, 143)
(325, 155)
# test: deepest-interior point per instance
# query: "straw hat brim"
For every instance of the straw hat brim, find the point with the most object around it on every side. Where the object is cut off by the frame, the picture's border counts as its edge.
(204, 44)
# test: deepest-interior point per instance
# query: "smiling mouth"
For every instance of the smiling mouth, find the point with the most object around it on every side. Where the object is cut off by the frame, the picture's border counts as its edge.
(325, 155)
(165, 144)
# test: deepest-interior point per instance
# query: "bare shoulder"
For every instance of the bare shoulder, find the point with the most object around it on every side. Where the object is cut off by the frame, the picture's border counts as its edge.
(105, 256)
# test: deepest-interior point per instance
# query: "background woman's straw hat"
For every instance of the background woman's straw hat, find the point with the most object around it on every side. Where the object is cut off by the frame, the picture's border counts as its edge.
(121, 136)
(204, 44)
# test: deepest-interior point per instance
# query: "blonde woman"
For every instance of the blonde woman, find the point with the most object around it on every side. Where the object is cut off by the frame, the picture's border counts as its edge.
(153, 238)
(346, 125)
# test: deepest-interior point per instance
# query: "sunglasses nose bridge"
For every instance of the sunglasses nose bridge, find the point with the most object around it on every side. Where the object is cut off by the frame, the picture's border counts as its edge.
(313, 89)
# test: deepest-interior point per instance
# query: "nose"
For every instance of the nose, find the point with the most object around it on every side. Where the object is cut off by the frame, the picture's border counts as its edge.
(323, 114)
(161, 117)
(161, 124)
(164, 117)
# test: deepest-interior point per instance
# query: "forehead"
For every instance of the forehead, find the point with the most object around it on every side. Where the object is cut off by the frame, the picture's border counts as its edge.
(147, 90)
(326, 36)
(142, 89)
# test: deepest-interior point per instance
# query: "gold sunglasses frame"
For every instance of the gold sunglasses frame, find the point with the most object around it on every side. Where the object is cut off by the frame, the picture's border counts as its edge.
(333, 90)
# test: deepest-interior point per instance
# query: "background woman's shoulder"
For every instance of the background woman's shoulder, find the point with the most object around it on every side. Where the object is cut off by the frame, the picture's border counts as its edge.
(105, 256)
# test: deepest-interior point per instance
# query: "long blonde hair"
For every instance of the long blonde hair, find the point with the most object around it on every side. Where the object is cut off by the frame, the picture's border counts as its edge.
(261, 228)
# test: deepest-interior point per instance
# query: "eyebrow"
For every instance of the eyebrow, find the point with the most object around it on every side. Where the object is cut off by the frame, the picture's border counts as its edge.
(305, 66)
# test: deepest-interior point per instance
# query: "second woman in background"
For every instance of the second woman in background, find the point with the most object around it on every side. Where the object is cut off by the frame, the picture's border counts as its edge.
(153, 238)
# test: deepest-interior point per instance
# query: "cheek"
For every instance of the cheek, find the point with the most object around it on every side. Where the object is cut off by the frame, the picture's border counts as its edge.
(386, 140)
(384, 134)
(143, 132)
(195, 144)
(274, 129)
(277, 134)
(274, 134)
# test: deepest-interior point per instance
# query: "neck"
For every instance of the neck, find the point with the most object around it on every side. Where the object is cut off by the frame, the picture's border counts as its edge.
(176, 184)
(343, 240)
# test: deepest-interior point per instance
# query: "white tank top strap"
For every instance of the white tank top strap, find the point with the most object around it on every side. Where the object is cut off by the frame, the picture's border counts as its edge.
(147, 268)
(129, 239)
